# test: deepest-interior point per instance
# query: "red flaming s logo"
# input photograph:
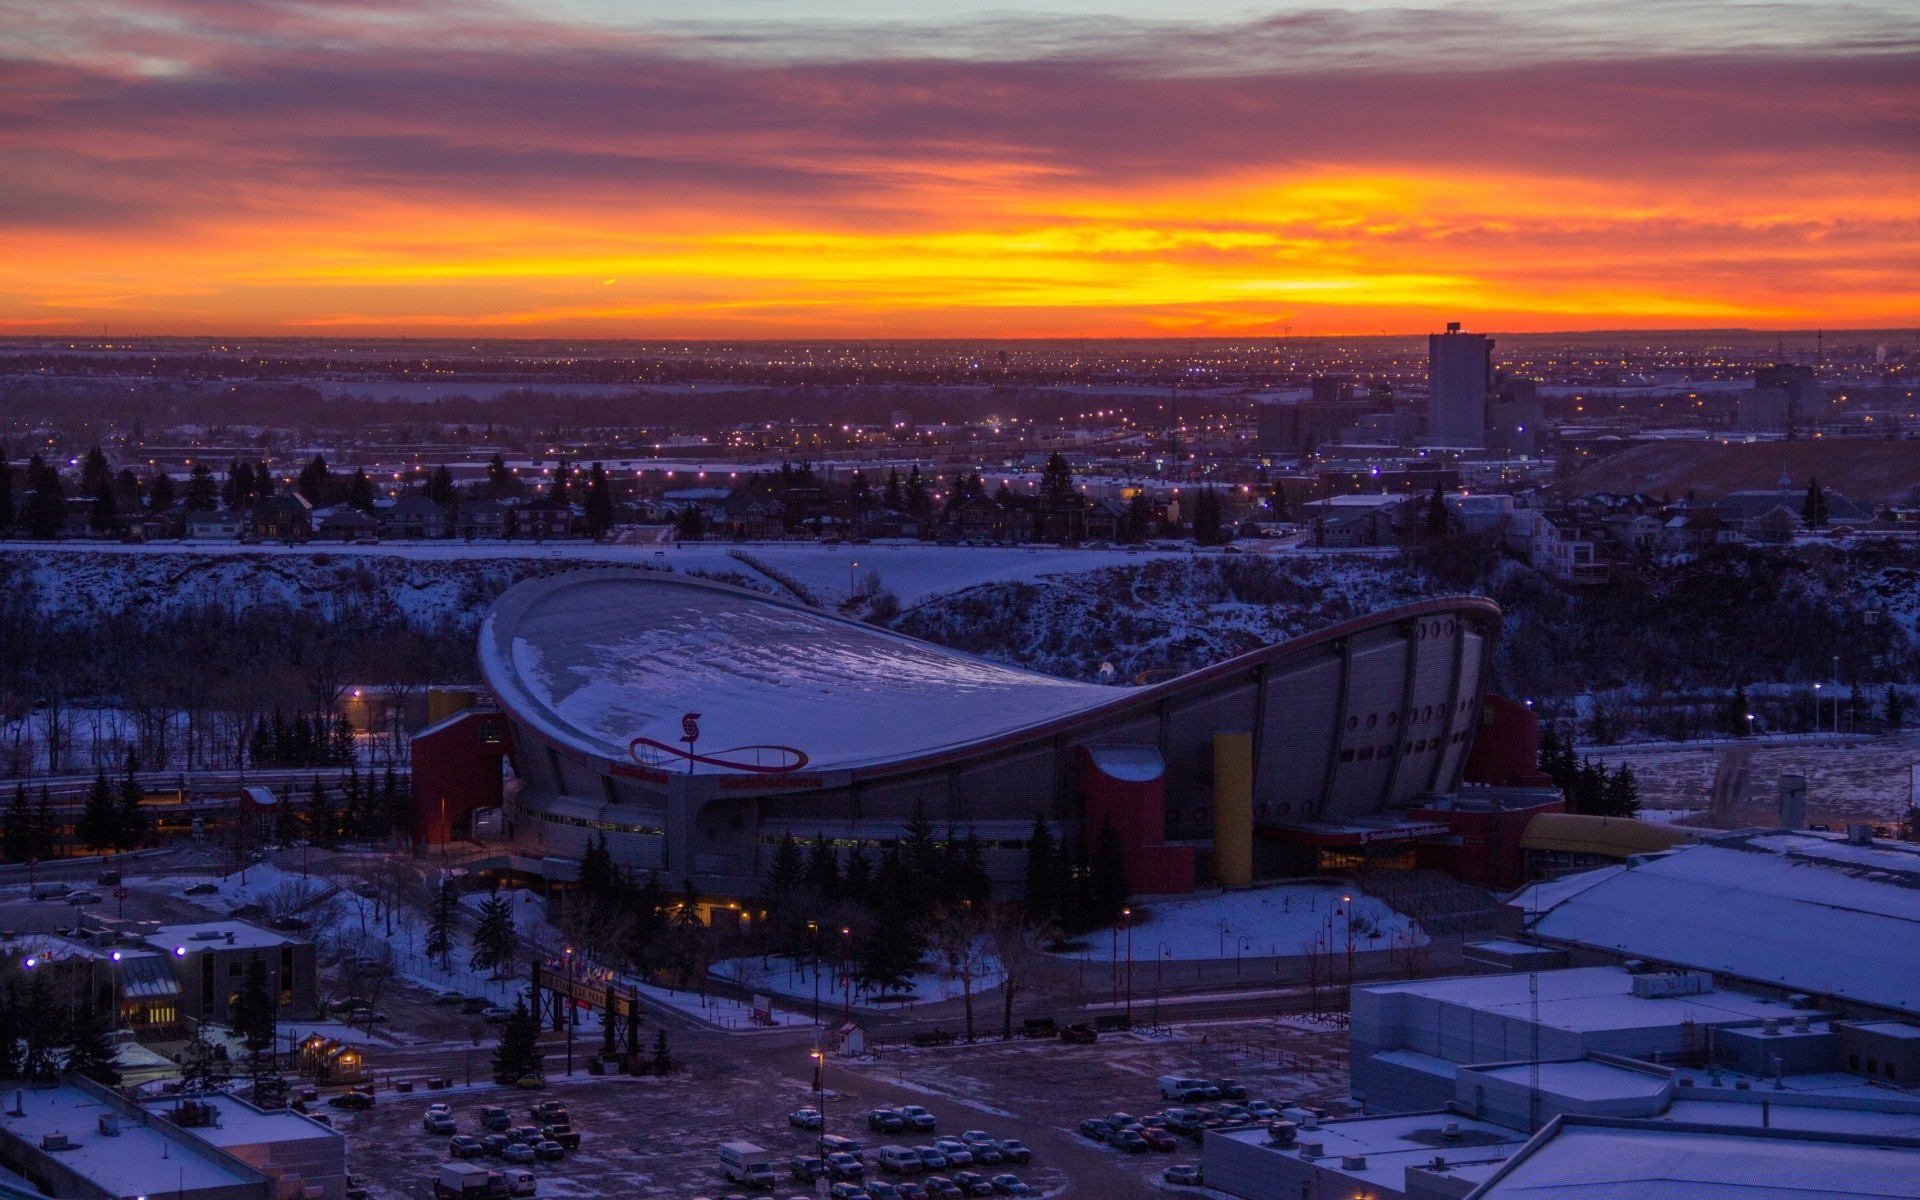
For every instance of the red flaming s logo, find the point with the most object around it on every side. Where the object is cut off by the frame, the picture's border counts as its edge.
(756, 760)
(690, 728)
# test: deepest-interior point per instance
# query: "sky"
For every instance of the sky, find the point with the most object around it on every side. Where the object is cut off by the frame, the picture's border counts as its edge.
(854, 168)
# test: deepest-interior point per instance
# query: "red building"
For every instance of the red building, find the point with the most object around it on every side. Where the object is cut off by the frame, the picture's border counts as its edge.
(1127, 786)
(456, 771)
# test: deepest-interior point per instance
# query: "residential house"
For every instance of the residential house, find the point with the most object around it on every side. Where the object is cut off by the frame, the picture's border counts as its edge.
(345, 524)
(546, 518)
(746, 518)
(1347, 522)
(1107, 521)
(479, 519)
(283, 518)
(1695, 530)
(413, 517)
(1566, 550)
(221, 526)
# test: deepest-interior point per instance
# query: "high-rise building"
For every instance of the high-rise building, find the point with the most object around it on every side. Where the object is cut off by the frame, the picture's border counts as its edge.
(1459, 368)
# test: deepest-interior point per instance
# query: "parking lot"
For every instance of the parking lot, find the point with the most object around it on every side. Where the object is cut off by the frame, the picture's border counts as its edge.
(652, 1137)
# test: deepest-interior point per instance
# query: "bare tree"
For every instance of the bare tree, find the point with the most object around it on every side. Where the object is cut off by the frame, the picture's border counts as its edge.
(963, 949)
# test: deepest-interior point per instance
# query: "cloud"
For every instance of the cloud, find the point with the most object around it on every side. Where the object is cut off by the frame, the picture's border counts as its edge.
(1307, 161)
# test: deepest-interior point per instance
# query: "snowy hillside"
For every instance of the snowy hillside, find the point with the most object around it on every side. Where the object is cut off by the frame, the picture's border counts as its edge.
(1178, 612)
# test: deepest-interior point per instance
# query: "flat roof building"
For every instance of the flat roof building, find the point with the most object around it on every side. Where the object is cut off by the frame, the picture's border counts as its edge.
(79, 1141)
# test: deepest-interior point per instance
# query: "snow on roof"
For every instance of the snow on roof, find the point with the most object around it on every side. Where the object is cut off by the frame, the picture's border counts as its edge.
(603, 658)
(1629, 1161)
(241, 1124)
(1585, 1000)
(1582, 1080)
(1794, 910)
(138, 1160)
(214, 934)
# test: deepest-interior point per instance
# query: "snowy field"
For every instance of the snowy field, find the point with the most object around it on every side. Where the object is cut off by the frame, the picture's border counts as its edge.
(1861, 779)
(795, 979)
(1262, 922)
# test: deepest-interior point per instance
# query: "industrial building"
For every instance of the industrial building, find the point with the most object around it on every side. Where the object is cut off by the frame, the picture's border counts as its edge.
(1459, 374)
(695, 724)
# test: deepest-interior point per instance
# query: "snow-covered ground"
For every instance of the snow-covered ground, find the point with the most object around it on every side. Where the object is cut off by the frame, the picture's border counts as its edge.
(795, 979)
(1259, 923)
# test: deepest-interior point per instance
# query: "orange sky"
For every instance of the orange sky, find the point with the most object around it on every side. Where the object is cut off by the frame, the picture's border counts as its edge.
(205, 175)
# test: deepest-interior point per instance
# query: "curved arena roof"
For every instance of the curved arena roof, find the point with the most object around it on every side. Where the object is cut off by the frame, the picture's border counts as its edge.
(593, 659)
(602, 658)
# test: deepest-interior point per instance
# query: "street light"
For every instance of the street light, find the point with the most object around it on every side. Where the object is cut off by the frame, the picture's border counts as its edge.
(1126, 918)
(820, 1099)
(570, 1009)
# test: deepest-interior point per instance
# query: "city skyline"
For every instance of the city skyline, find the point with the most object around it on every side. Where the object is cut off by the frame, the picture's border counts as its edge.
(1110, 168)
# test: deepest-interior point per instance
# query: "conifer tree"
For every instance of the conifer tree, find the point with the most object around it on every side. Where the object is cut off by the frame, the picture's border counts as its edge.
(439, 487)
(1438, 522)
(518, 1054)
(784, 873)
(597, 877)
(44, 515)
(99, 825)
(441, 920)
(315, 484)
(1040, 902)
(202, 493)
(89, 1052)
(662, 1061)
(160, 494)
(323, 823)
(45, 826)
(1107, 883)
(891, 496)
(823, 869)
(493, 940)
(360, 492)
(44, 1034)
(598, 506)
(11, 1028)
(918, 502)
(132, 821)
(254, 1019)
(856, 880)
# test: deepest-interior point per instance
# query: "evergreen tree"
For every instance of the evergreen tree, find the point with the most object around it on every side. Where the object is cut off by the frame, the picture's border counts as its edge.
(1277, 505)
(859, 495)
(6, 496)
(315, 484)
(598, 507)
(254, 1020)
(823, 869)
(1107, 888)
(784, 873)
(1813, 510)
(1896, 707)
(160, 494)
(202, 493)
(11, 1027)
(45, 512)
(1439, 524)
(1056, 481)
(323, 822)
(45, 827)
(238, 488)
(918, 502)
(1735, 715)
(441, 921)
(1206, 517)
(95, 475)
(99, 825)
(500, 478)
(856, 882)
(44, 1032)
(891, 496)
(557, 490)
(1620, 794)
(16, 831)
(1139, 517)
(691, 526)
(1041, 903)
(360, 492)
(518, 1054)
(89, 1052)
(597, 877)
(132, 821)
(493, 941)
(662, 1061)
(440, 486)
(888, 956)
(202, 1068)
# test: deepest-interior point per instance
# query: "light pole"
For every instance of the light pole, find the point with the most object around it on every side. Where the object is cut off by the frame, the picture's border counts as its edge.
(1816, 704)
(116, 989)
(820, 1101)
(1347, 921)
(1161, 955)
(846, 967)
(570, 1009)
(1126, 917)
(813, 948)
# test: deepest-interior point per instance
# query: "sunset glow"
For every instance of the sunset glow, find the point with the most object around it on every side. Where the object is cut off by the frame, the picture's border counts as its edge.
(332, 168)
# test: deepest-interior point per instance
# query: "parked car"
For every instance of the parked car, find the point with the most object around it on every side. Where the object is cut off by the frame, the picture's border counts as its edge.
(943, 1188)
(494, 1117)
(449, 998)
(201, 889)
(917, 1118)
(880, 1190)
(1079, 1035)
(910, 1190)
(440, 1123)
(1129, 1142)
(957, 1152)
(547, 1150)
(1015, 1151)
(474, 1004)
(900, 1160)
(463, 1145)
(805, 1118)
(1096, 1129)
(54, 891)
(1230, 1089)
(1010, 1185)
(835, 1144)
(930, 1159)
(493, 1014)
(846, 1191)
(549, 1112)
(517, 1152)
(973, 1183)
(351, 1101)
(886, 1120)
(1157, 1139)
(1185, 1175)
(844, 1166)
(83, 898)
(566, 1135)
(494, 1145)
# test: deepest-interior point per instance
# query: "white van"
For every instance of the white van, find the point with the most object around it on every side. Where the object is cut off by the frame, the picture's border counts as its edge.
(747, 1163)
(522, 1183)
(900, 1160)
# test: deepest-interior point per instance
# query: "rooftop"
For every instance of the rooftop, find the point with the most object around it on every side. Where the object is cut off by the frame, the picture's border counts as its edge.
(241, 1124)
(1802, 911)
(1585, 1000)
(1629, 1160)
(217, 935)
(1392, 1144)
(139, 1159)
(596, 660)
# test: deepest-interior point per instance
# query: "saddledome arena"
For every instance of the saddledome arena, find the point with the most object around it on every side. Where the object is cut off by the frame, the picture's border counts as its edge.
(808, 723)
